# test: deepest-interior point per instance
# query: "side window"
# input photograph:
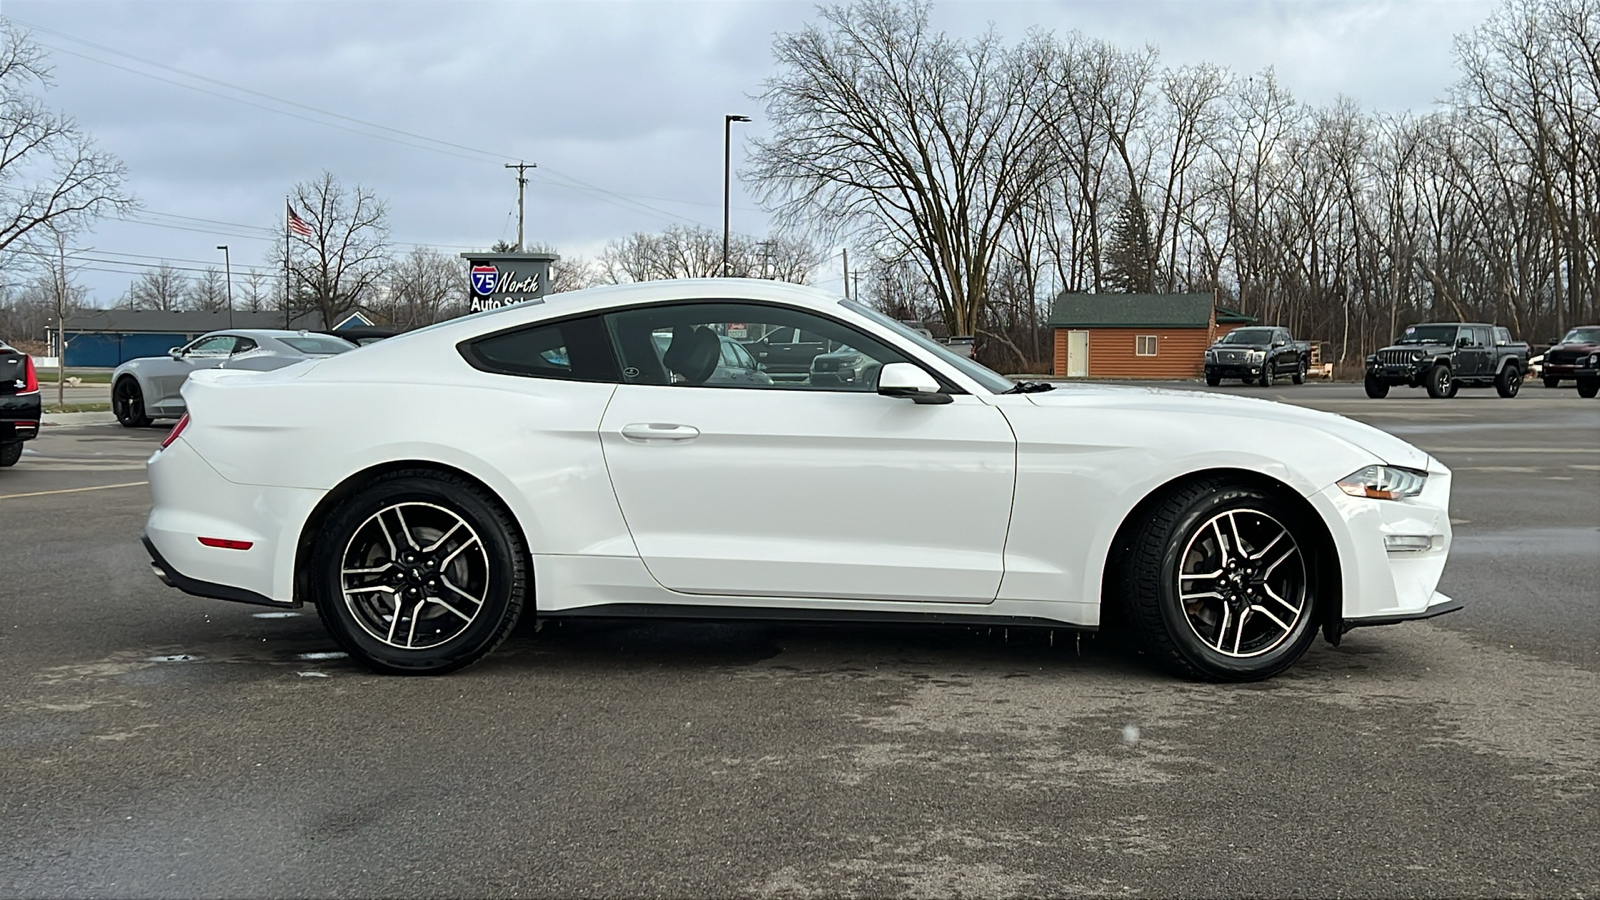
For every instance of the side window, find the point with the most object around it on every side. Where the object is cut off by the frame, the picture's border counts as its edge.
(686, 344)
(216, 345)
(1502, 337)
(245, 345)
(1483, 337)
(574, 350)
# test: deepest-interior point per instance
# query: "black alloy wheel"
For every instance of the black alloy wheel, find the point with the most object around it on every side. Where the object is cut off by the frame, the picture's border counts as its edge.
(1551, 382)
(127, 403)
(420, 573)
(9, 454)
(1509, 381)
(1266, 373)
(1376, 389)
(1219, 582)
(1439, 383)
(1300, 372)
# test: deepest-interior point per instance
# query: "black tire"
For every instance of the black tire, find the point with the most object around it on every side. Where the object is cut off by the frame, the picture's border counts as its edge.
(1551, 382)
(127, 403)
(1588, 387)
(1300, 372)
(1509, 381)
(1176, 534)
(1213, 380)
(9, 454)
(1439, 383)
(1266, 373)
(495, 567)
(1376, 389)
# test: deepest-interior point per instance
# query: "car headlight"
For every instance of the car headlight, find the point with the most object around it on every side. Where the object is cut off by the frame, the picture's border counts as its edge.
(1384, 483)
(1257, 355)
(1211, 354)
(1594, 359)
(1417, 355)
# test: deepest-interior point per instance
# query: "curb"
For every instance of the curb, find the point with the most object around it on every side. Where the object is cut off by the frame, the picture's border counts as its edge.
(80, 418)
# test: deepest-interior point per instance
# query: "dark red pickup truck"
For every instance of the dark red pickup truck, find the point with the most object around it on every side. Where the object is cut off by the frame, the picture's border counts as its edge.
(19, 403)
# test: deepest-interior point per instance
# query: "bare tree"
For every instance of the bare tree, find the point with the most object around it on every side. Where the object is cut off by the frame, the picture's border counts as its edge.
(916, 144)
(161, 288)
(423, 287)
(255, 292)
(51, 175)
(208, 291)
(339, 265)
(696, 252)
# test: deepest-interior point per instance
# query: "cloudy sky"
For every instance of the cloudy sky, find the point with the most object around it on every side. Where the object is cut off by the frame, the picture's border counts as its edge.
(218, 107)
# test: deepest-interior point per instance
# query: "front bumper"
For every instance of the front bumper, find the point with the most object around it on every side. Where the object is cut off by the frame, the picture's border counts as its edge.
(1233, 370)
(19, 416)
(1396, 375)
(1384, 577)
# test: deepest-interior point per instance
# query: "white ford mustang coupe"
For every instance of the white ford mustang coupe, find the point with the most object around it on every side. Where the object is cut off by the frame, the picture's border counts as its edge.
(575, 457)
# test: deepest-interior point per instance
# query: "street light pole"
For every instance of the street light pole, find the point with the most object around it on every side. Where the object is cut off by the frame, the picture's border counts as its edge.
(227, 264)
(727, 162)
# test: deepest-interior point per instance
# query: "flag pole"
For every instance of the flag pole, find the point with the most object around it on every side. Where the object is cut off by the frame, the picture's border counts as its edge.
(286, 262)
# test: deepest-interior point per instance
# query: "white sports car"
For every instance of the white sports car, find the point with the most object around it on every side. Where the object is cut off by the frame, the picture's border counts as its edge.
(572, 458)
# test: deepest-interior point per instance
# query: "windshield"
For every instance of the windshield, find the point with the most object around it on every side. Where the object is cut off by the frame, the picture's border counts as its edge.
(1248, 336)
(1582, 336)
(1429, 334)
(318, 344)
(991, 380)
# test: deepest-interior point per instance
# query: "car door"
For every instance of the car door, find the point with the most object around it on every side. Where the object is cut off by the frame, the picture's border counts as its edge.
(796, 490)
(169, 374)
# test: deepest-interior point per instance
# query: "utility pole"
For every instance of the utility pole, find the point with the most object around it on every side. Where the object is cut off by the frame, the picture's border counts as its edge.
(61, 322)
(855, 292)
(847, 272)
(522, 182)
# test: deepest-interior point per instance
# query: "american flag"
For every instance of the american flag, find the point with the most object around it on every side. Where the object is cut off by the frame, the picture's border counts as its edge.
(297, 224)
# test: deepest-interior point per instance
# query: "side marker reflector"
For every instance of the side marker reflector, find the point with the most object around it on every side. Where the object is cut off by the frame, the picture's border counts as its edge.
(225, 544)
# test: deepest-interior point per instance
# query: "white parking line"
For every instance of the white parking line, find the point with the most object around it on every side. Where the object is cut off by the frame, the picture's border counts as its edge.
(98, 487)
(1515, 450)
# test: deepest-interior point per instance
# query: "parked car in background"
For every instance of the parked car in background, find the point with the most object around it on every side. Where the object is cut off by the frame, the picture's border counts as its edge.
(1566, 356)
(149, 387)
(844, 366)
(20, 403)
(787, 350)
(1588, 374)
(1257, 354)
(1447, 356)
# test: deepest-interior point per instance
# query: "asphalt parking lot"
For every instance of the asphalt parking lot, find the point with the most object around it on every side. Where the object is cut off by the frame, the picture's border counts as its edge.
(155, 744)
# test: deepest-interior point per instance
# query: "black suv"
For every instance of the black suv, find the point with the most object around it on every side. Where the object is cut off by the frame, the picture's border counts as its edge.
(1445, 357)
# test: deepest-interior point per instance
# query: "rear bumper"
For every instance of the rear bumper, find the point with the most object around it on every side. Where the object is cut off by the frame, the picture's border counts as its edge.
(19, 416)
(171, 577)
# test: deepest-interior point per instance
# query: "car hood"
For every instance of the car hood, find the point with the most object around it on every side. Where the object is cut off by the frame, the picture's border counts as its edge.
(1253, 418)
(1581, 348)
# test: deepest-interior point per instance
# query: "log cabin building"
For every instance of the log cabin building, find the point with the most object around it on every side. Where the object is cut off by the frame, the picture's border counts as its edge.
(1137, 335)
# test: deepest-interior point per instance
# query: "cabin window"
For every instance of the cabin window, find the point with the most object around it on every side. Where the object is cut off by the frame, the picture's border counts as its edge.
(1144, 345)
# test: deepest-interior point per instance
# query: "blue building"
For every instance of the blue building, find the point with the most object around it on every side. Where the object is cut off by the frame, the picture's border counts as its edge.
(107, 338)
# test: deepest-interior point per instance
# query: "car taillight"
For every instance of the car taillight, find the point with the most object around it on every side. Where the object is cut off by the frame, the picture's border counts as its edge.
(30, 376)
(176, 430)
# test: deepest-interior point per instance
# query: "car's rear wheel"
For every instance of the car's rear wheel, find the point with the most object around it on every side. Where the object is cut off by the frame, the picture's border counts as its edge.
(420, 573)
(1300, 372)
(127, 402)
(1218, 580)
(1588, 387)
(1439, 383)
(1552, 382)
(1509, 381)
(1376, 389)
(10, 453)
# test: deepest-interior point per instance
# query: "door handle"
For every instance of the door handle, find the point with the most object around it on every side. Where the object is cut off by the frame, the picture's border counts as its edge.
(659, 431)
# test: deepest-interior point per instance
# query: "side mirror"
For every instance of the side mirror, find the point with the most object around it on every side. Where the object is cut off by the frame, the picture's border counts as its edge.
(175, 352)
(907, 380)
(1554, 341)
(1278, 343)
(1463, 341)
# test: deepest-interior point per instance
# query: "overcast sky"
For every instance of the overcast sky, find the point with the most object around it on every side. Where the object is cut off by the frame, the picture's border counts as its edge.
(620, 104)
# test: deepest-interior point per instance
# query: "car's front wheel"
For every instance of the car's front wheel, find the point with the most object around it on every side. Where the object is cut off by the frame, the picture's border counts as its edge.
(1439, 383)
(1588, 387)
(1376, 389)
(127, 402)
(1213, 380)
(420, 573)
(1552, 382)
(1218, 580)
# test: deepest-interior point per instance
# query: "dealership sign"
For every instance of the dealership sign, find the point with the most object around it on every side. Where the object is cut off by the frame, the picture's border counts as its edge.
(501, 279)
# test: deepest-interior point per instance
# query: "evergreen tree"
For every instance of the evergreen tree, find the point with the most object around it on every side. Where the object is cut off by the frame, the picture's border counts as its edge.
(1130, 255)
